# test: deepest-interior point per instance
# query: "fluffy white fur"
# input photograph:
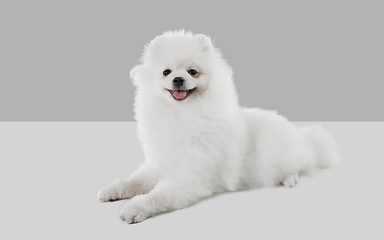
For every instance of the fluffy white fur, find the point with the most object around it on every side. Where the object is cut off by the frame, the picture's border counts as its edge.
(207, 143)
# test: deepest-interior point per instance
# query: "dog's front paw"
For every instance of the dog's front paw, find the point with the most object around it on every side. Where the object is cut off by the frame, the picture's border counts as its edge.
(133, 212)
(112, 192)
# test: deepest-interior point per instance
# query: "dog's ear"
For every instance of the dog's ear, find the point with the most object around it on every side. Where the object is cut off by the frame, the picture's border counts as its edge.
(156, 42)
(154, 46)
(205, 41)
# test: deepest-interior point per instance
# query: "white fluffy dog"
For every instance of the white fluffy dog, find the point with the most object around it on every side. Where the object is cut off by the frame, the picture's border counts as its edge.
(196, 138)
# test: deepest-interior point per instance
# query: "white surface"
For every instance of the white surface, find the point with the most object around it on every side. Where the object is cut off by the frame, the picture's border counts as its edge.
(50, 173)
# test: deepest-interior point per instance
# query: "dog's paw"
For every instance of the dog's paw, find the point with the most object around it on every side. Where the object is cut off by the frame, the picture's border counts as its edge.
(112, 192)
(132, 212)
(291, 181)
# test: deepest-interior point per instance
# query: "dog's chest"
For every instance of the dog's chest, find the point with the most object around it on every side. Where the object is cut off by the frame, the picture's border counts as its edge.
(182, 130)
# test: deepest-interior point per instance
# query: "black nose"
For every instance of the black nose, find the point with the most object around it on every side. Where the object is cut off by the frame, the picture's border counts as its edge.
(178, 81)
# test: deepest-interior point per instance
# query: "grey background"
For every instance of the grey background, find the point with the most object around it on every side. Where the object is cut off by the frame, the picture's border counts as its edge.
(70, 60)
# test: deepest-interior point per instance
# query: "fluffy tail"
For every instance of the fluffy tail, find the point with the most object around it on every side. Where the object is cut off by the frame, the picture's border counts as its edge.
(324, 146)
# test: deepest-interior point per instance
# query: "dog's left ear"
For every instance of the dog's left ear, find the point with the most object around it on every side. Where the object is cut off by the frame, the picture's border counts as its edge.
(205, 41)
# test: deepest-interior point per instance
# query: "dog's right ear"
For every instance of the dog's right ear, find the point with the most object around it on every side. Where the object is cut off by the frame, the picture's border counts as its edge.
(205, 41)
(154, 46)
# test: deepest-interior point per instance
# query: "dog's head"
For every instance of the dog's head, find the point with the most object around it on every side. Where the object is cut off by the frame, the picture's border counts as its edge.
(178, 66)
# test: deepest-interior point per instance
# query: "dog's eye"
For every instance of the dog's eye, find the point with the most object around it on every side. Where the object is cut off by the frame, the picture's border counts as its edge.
(166, 72)
(192, 72)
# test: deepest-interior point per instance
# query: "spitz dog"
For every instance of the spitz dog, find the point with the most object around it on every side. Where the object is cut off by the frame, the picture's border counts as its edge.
(196, 138)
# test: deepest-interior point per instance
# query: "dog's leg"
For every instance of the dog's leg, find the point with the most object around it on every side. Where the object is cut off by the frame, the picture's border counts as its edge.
(291, 181)
(163, 198)
(141, 181)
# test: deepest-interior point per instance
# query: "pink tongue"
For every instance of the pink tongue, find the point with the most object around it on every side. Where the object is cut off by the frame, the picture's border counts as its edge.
(179, 94)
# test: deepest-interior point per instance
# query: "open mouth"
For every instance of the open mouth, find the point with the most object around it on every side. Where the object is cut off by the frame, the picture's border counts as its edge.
(180, 94)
